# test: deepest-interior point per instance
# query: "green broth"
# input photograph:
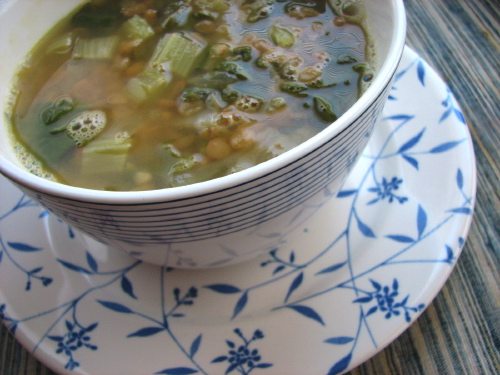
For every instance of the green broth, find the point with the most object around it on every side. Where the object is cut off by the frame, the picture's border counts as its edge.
(140, 95)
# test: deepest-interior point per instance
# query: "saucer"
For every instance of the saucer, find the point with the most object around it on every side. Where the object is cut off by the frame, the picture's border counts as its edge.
(351, 278)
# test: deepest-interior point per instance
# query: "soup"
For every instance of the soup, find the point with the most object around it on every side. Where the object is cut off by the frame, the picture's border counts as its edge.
(140, 95)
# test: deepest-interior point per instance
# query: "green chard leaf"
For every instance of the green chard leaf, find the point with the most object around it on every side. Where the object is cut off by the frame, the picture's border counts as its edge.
(56, 110)
(281, 36)
(323, 110)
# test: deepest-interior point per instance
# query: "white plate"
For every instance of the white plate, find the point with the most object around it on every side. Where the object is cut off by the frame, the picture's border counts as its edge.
(349, 280)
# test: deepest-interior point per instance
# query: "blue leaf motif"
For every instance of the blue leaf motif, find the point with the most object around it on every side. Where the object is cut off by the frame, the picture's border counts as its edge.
(195, 346)
(412, 161)
(365, 229)
(308, 312)
(444, 147)
(346, 193)
(363, 299)
(373, 310)
(421, 72)
(449, 253)
(1, 255)
(461, 210)
(460, 179)
(421, 221)
(223, 288)
(341, 365)
(222, 358)
(127, 287)
(341, 340)
(116, 307)
(147, 331)
(36, 270)
(56, 338)
(400, 117)
(92, 262)
(295, 284)
(445, 115)
(400, 238)
(240, 305)
(74, 267)
(459, 115)
(376, 285)
(231, 368)
(333, 268)
(411, 143)
(263, 365)
(178, 371)
(278, 269)
(19, 246)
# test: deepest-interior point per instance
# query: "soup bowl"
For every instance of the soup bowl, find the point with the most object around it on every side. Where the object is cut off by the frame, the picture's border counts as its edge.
(218, 222)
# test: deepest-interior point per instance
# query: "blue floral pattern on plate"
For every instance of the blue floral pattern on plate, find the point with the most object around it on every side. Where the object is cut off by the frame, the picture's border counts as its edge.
(351, 277)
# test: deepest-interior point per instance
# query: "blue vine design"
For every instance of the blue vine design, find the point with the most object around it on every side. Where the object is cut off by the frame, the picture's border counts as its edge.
(374, 296)
(241, 357)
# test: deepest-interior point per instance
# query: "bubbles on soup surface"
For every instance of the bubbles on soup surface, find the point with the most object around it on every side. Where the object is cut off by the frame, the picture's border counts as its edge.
(86, 126)
(31, 164)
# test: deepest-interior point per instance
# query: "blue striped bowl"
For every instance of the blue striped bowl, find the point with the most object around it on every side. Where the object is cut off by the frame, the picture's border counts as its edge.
(225, 220)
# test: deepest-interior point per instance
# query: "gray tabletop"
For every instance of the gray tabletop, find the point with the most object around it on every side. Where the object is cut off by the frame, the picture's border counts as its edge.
(459, 333)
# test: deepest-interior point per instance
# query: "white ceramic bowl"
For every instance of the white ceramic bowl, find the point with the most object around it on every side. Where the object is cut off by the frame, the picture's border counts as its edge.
(213, 223)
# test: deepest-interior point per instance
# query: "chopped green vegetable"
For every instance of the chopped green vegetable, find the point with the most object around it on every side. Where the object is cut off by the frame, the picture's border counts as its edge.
(262, 63)
(148, 84)
(214, 101)
(118, 145)
(281, 36)
(95, 16)
(61, 45)
(216, 54)
(137, 28)
(217, 6)
(183, 165)
(57, 109)
(181, 51)
(195, 93)
(276, 104)
(229, 96)
(177, 17)
(233, 68)
(244, 53)
(173, 150)
(304, 9)
(323, 110)
(96, 48)
(96, 163)
(346, 59)
(286, 70)
(248, 104)
(104, 156)
(258, 9)
(215, 80)
(294, 88)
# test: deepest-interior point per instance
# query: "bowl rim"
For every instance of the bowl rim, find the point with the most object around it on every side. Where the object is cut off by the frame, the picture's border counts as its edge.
(55, 189)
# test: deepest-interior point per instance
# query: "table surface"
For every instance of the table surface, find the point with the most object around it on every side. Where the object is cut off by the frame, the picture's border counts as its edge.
(459, 333)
